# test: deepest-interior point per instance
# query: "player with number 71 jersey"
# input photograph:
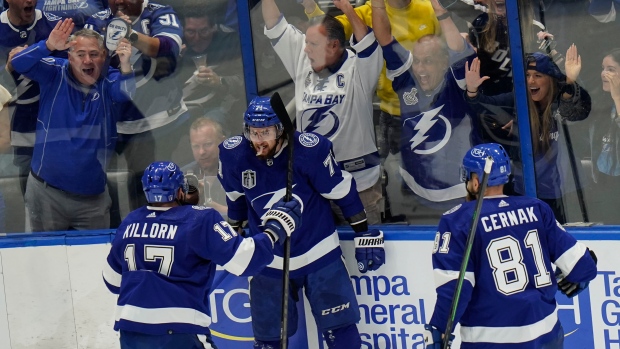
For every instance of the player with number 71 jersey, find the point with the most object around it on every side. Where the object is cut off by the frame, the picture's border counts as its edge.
(508, 295)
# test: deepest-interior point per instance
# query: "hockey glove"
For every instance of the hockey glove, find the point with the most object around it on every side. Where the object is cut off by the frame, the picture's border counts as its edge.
(369, 251)
(432, 338)
(282, 219)
(571, 289)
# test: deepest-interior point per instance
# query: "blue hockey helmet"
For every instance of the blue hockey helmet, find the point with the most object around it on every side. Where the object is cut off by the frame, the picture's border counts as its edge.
(260, 114)
(161, 180)
(474, 161)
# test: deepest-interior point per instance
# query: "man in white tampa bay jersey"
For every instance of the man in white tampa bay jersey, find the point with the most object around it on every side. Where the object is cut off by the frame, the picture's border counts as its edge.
(508, 295)
(253, 171)
(334, 88)
(163, 258)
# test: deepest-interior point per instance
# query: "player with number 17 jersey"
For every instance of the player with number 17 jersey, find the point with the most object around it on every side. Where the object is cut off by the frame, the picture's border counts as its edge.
(253, 183)
(166, 258)
(336, 102)
(516, 240)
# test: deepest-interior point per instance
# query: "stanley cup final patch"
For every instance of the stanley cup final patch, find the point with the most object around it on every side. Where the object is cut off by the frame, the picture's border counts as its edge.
(248, 178)
(411, 97)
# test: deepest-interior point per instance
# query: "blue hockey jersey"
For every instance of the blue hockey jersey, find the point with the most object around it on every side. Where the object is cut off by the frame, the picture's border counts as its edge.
(162, 264)
(508, 295)
(76, 131)
(158, 100)
(253, 186)
(437, 130)
(78, 10)
(25, 104)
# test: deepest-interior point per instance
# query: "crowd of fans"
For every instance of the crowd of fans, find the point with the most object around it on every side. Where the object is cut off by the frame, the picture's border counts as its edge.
(433, 80)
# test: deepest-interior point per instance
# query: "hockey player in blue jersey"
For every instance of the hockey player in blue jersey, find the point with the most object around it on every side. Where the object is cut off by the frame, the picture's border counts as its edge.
(163, 258)
(508, 294)
(253, 171)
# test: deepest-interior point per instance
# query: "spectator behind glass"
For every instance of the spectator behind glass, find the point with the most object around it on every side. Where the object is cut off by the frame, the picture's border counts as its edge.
(22, 26)
(155, 117)
(210, 69)
(76, 131)
(489, 35)
(437, 124)
(78, 10)
(605, 143)
(554, 98)
(5, 144)
(410, 20)
(205, 135)
(333, 90)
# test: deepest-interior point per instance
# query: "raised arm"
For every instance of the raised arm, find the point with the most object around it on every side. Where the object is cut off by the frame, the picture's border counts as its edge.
(448, 28)
(359, 28)
(381, 23)
(271, 13)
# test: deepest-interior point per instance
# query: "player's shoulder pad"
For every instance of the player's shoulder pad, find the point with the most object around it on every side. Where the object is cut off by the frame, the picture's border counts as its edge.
(232, 142)
(154, 7)
(453, 209)
(51, 17)
(103, 15)
(310, 143)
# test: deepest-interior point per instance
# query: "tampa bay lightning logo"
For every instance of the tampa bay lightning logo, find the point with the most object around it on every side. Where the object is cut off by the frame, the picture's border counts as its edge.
(232, 142)
(116, 35)
(320, 120)
(308, 140)
(430, 124)
(51, 17)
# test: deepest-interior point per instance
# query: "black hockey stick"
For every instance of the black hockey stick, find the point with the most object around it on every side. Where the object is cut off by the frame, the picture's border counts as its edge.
(468, 245)
(280, 110)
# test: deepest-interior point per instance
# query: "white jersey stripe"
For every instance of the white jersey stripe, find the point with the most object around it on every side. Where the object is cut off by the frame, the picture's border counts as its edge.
(240, 261)
(566, 262)
(342, 189)
(162, 315)
(319, 250)
(110, 276)
(514, 334)
(442, 277)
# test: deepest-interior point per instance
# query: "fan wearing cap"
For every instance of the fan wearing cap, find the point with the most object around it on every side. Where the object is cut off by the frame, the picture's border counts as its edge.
(554, 97)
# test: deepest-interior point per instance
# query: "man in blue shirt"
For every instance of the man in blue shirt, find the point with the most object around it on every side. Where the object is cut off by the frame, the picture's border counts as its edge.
(76, 127)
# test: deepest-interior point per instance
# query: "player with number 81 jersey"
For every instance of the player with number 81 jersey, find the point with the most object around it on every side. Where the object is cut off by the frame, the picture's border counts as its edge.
(508, 296)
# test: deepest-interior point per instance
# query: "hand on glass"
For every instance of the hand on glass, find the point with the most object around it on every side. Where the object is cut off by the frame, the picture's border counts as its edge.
(572, 66)
(472, 75)
(58, 39)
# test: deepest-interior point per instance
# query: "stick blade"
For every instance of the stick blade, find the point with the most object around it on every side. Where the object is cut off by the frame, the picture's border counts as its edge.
(280, 109)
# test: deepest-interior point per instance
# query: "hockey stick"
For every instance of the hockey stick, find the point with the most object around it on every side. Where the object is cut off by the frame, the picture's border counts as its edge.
(280, 110)
(468, 245)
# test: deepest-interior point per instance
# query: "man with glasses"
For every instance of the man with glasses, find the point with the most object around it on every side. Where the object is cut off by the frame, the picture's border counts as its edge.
(253, 170)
